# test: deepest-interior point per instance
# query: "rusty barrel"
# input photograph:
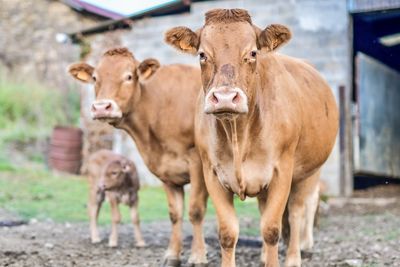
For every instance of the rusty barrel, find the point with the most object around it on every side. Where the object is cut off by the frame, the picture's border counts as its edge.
(65, 149)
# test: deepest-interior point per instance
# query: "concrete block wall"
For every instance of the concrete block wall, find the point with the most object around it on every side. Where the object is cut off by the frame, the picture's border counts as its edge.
(321, 36)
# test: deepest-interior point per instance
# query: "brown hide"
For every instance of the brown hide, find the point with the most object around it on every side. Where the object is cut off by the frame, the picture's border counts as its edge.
(155, 105)
(265, 124)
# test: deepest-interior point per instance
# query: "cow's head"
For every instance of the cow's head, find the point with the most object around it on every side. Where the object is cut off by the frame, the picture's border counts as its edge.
(114, 174)
(117, 79)
(228, 46)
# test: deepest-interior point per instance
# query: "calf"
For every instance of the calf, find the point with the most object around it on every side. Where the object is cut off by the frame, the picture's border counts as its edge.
(155, 105)
(114, 178)
(265, 124)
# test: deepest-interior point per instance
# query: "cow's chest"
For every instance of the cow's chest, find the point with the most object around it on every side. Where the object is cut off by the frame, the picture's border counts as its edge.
(125, 197)
(256, 172)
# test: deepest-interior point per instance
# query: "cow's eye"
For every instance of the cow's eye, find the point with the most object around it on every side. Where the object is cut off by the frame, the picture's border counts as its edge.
(129, 77)
(94, 78)
(253, 54)
(202, 56)
(114, 173)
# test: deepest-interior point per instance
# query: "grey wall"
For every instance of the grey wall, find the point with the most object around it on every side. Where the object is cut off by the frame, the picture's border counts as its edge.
(320, 35)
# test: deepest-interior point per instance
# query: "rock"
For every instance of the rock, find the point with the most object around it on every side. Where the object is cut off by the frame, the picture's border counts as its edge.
(49, 245)
(353, 263)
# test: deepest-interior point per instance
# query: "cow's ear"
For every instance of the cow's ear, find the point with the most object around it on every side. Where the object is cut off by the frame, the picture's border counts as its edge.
(82, 72)
(183, 39)
(273, 37)
(147, 68)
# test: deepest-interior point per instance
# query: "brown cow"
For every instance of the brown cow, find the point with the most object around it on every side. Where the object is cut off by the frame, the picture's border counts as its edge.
(112, 177)
(265, 123)
(156, 106)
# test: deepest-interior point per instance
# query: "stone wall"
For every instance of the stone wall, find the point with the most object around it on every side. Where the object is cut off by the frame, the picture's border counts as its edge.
(27, 39)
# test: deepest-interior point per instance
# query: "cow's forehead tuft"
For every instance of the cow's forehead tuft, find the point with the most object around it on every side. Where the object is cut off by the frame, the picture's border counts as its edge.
(227, 16)
(119, 51)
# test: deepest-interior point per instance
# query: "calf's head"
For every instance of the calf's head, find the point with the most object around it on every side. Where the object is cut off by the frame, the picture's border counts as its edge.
(228, 46)
(114, 174)
(117, 80)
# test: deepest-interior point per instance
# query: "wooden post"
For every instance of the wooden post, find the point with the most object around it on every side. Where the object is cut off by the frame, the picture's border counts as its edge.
(345, 143)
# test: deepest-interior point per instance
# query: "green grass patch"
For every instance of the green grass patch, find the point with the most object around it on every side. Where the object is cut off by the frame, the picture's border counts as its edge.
(43, 194)
(28, 112)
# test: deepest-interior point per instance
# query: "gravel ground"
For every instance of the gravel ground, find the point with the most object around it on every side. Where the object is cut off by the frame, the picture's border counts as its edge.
(351, 233)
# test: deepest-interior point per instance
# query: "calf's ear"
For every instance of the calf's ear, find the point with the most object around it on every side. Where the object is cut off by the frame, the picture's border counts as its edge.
(183, 39)
(82, 72)
(126, 166)
(273, 37)
(147, 68)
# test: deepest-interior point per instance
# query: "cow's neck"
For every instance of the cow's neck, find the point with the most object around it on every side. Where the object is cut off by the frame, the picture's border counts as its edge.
(235, 133)
(138, 125)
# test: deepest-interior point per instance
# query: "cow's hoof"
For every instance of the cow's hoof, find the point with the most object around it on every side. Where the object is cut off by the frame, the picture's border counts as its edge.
(112, 244)
(293, 262)
(172, 263)
(95, 241)
(141, 244)
(198, 264)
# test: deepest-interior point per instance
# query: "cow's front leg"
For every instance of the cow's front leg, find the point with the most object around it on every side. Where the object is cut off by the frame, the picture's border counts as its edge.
(175, 197)
(271, 219)
(115, 220)
(228, 225)
(197, 210)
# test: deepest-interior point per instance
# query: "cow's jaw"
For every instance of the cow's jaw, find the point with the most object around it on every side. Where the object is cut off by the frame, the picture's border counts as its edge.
(225, 101)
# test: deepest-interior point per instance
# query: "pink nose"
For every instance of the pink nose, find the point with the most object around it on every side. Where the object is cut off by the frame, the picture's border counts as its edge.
(225, 98)
(102, 106)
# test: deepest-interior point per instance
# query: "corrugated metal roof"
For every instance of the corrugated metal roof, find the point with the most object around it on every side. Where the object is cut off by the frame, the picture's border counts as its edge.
(117, 9)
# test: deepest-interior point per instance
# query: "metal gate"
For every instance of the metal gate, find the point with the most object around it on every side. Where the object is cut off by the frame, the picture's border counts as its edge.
(377, 124)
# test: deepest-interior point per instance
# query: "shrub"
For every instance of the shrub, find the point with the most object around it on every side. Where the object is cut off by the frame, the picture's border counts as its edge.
(29, 110)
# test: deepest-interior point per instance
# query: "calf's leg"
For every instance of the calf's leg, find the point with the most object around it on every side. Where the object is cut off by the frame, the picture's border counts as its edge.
(175, 197)
(197, 209)
(136, 225)
(115, 220)
(228, 225)
(94, 204)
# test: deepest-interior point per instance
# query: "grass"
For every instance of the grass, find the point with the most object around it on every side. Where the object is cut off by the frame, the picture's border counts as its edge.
(28, 112)
(42, 194)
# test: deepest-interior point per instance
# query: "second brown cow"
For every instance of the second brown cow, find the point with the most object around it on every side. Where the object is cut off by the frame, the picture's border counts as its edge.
(155, 105)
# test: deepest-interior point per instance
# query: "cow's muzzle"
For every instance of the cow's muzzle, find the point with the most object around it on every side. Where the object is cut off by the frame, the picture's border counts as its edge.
(105, 109)
(226, 100)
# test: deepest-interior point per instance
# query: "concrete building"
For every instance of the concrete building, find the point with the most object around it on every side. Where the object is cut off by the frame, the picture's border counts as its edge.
(355, 46)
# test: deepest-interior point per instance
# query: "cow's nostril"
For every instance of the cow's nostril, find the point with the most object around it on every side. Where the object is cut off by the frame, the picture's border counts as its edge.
(236, 98)
(93, 108)
(108, 106)
(214, 99)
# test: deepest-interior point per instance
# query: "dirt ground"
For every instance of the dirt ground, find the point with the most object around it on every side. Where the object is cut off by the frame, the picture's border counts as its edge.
(355, 232)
